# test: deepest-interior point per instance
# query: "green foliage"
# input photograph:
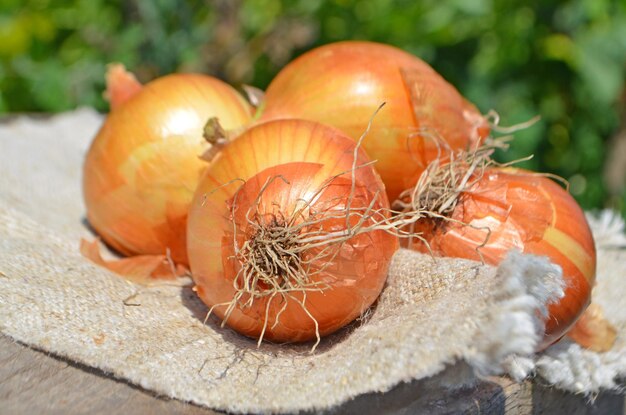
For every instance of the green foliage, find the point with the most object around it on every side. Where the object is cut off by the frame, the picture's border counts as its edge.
(563, 60)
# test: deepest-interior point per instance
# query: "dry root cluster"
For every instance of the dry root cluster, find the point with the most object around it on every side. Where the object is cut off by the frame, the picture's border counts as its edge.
(447, 179)
(280, 255)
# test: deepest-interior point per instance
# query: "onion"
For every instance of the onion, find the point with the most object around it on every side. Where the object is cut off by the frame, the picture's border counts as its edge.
(143, 166)
(282, 235)
(342, 84)
(504, 209)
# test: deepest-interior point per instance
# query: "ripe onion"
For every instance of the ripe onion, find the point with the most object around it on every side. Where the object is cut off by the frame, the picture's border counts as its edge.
(143, 166)
(283, 233)
(515, 209)
(342, 84)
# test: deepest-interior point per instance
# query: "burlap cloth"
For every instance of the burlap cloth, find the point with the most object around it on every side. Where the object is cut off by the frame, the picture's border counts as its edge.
(431, 314)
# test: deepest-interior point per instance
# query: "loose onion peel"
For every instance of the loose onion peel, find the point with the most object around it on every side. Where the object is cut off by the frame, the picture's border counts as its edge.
(593, 331)
(141, 269)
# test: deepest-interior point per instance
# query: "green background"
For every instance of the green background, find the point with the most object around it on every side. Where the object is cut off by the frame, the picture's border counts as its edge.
(563, 60)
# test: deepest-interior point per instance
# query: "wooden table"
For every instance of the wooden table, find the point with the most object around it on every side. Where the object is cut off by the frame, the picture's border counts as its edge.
(33, 382)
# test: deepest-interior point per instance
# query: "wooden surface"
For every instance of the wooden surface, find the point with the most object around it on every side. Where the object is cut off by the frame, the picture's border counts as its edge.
(34, 382)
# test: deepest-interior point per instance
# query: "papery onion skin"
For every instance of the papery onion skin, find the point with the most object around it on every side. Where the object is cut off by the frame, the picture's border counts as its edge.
(121, 85)
(342, 84)
(593, 331)
(530, 213)
(143, 166)
(140, 269)
(304, 154)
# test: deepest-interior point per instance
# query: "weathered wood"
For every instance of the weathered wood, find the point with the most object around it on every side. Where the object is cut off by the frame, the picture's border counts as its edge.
(35, 382)
(492, 396)
(32, 382)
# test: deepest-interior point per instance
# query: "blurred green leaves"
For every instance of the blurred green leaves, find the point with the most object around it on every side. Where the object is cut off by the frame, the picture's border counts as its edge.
(563, 60)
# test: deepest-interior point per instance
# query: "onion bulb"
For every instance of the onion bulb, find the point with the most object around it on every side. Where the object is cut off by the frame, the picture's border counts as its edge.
(506, 208)
(342, 84)
(143, 165)
(283, 233)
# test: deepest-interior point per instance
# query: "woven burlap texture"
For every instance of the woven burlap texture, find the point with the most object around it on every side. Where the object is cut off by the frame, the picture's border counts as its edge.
(432, 313)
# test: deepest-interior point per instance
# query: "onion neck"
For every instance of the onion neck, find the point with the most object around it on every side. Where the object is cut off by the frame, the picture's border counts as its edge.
(217, 136)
